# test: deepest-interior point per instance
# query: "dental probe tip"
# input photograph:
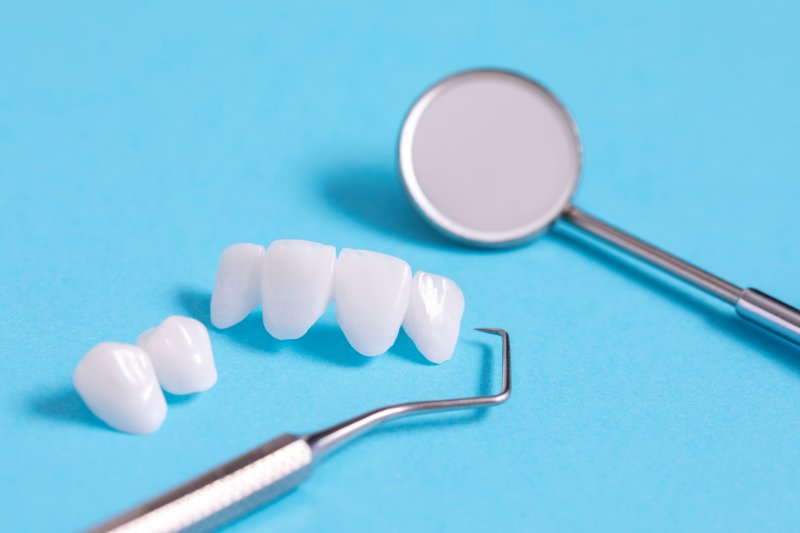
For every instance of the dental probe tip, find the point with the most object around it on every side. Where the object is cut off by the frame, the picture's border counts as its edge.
(493, 331)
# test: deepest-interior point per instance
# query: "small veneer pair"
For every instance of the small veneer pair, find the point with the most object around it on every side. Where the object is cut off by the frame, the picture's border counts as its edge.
(121, 383)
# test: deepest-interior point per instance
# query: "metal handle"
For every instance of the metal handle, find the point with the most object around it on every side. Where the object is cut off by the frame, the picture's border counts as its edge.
(769, 313)
(253, 479)
(752, 305)
(223, 494)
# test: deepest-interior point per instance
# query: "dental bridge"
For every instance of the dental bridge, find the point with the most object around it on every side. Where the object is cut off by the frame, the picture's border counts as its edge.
(261, 475)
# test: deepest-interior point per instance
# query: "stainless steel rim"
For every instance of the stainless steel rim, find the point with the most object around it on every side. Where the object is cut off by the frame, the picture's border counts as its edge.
(435, 217)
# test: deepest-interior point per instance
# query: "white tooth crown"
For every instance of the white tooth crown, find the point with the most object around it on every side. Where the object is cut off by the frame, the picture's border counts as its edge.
(180, 351)
(237, 290)
(371, 292)
(296, 286)
(118, 384)
(433, 320)
(374, 294)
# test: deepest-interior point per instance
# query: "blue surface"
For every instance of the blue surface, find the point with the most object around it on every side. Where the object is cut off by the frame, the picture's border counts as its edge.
(137, 141)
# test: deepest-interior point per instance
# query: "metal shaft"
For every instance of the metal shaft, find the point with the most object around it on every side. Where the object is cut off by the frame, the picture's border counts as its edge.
(224, 494)
(752, 305)
(667, 262)
(252, 480)
(325, 441)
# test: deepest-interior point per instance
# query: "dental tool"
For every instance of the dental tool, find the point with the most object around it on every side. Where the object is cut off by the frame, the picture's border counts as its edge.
(272, 469)
(492, 159)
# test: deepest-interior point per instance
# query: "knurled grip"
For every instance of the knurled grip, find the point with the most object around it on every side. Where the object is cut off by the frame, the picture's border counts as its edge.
(224, 494)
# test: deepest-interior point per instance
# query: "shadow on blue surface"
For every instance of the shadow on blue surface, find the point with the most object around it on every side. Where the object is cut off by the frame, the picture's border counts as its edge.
(63, 405)
(683, 296)
(325, 342)
(374, 197)
(180, 399)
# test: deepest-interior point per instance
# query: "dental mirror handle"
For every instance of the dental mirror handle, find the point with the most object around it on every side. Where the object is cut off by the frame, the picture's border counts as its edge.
(752, 305)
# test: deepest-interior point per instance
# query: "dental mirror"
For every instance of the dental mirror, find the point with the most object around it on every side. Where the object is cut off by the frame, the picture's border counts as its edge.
(492, 158)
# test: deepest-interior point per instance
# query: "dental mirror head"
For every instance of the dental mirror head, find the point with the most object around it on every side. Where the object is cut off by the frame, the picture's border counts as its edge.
(489, 157)
(492, 158)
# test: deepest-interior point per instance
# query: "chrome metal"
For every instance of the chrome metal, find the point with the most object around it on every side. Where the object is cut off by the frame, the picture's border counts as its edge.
(472, 169)
(753, 305)
(667, 262)
(232, 490)
(325, 441)
(509, 157)
(252, 480)
(769, 313)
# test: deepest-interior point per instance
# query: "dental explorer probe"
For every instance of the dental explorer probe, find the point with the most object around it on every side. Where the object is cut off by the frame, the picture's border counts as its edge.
(263, 474)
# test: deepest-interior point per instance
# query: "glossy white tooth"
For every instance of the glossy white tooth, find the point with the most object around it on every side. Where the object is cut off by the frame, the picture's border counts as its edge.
(296, 286)
(181, 354)
(433, 320)
(371, 294)
(237, 290)
(118, 384)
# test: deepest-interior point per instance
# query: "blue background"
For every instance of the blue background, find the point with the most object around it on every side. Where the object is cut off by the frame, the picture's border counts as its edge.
(138, 141)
